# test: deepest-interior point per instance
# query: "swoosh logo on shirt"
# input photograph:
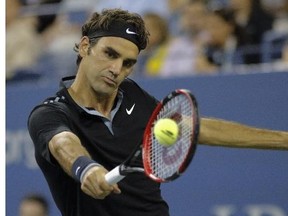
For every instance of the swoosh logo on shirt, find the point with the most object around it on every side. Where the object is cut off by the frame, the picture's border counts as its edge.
(130, 110)
(130, 32)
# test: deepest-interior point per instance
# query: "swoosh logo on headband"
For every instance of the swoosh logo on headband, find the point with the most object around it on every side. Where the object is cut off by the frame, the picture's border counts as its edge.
(130, 32)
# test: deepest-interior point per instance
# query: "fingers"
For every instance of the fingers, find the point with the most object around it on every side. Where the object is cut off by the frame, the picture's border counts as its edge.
(95, 190)
(116, 189)
(94, 183)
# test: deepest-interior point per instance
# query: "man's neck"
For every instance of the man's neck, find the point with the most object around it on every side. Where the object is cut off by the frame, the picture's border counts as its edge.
(88, 98)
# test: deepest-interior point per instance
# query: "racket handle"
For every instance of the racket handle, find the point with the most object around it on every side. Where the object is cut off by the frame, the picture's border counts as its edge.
(114, 176)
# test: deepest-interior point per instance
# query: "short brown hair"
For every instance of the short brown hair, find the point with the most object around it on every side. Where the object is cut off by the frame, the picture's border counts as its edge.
(102, 21)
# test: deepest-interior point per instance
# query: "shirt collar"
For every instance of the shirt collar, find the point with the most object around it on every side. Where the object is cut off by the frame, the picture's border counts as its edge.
(66, 82)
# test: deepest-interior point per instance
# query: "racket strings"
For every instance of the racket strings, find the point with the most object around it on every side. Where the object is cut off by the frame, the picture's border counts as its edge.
(166, 161)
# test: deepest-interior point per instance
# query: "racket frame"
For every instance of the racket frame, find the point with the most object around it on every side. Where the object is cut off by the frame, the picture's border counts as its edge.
(194, 138)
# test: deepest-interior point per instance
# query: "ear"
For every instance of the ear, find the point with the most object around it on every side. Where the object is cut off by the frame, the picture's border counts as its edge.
(84, 46)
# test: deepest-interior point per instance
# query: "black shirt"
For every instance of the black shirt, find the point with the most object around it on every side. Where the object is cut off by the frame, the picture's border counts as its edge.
(140, 196)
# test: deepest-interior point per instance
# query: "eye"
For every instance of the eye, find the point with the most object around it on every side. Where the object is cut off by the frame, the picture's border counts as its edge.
(111, 54)
(129, 63)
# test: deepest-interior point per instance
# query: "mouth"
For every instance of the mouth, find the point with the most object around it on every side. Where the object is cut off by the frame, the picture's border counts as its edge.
(109, 81)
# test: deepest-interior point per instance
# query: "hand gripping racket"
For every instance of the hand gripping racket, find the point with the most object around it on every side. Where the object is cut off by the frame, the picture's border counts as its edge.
(165, 163)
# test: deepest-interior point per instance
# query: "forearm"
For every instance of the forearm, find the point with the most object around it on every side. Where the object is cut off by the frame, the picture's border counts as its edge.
(66, 148)
(217, 132)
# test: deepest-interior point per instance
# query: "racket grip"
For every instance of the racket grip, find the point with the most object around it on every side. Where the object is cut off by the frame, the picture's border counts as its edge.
(114, 176)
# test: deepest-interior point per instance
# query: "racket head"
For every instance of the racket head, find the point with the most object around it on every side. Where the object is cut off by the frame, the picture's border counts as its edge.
(166, 163)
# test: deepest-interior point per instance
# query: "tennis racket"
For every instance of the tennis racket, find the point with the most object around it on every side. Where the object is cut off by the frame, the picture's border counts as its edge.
(165, 163)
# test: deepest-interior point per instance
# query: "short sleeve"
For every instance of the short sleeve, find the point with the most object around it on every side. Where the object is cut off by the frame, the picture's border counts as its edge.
(44, 122)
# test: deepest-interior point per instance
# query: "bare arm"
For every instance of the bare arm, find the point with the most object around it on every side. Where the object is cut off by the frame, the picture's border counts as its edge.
(66, 148)
(216, 132)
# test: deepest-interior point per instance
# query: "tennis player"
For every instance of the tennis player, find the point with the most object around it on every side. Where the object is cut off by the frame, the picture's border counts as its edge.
(96, 118)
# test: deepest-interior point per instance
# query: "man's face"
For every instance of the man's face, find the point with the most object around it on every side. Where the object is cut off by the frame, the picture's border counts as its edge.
(105, 65)
(218, 30)
(31, 208)
(192, 18)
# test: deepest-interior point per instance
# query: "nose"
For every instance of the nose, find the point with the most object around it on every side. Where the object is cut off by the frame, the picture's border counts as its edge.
(116, 67)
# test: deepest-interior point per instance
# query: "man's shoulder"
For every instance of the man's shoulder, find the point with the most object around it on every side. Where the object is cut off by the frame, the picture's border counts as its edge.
(130, 88)
(58, 101)
(134, 91)
(129, 85)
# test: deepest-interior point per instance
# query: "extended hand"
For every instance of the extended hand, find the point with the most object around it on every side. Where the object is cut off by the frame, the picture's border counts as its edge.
(95, 185)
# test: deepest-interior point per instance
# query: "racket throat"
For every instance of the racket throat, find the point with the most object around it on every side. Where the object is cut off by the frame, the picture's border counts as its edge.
(126, 170)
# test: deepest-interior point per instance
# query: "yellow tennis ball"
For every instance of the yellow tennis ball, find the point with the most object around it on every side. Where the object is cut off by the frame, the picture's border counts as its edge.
(166, 131)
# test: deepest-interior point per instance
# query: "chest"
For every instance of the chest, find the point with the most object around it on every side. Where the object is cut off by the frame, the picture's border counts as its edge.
(111, 144)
